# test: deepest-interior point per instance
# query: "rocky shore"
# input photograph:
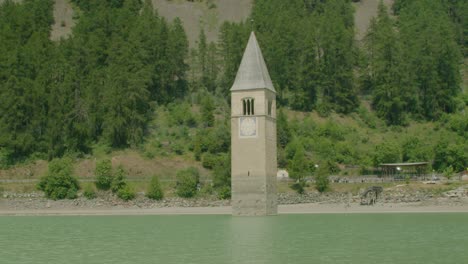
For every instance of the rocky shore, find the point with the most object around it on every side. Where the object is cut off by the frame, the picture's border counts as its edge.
(37, 201)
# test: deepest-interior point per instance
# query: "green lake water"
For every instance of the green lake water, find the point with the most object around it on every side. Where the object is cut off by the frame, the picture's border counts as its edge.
(323, 238)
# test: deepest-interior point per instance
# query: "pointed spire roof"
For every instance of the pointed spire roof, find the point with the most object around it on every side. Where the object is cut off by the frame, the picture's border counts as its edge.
(253, 72)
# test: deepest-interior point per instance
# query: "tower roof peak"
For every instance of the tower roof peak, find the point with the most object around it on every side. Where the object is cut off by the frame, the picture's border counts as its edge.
(253, 72)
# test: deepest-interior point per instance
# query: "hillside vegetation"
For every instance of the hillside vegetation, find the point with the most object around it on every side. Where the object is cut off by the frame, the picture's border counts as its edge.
(126, 81)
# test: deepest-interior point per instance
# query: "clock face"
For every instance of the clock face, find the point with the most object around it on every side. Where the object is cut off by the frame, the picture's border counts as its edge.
(248, 126)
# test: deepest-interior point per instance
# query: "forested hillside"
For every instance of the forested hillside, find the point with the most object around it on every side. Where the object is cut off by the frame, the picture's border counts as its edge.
(126, 78)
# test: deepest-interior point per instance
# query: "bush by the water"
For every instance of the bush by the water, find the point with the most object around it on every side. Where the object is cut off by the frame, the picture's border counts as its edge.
(155, 191)
(299, 186)
(119, 181)
(59, 182)
(126, 193)
(187, 182)
(224, 193)
(103, 173)
(89, 192)
(322, 183)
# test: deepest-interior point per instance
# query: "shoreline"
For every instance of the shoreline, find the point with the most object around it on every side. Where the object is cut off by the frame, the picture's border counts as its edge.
(308, 208)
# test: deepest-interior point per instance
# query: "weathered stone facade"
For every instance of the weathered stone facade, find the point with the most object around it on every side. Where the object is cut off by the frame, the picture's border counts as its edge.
(253, 136)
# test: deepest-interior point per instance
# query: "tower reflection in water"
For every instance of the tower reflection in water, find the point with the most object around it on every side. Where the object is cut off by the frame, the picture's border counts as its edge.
(252, 240)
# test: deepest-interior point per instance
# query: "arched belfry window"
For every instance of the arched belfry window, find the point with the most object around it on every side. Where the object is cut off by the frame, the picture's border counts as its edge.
(248, 106)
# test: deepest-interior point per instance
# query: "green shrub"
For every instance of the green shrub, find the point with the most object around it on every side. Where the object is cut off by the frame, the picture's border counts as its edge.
(207, 111)
(298, 166)
(299, 186)
(281, 156)
(415, 150)
(284, 133)
(333, 131)
(224, 193)
(5, 158)
(103, 173)
(181, 114)
(207, 189)
(322, 183)
(126, 193)
(187, 182)
(447, 155)
(155, 191)
(459, 124)
(209, 160)
(367, 117)
(333, 167)
(59, 183)
(387, 152)
(215, 139)
(89, 192)
(197, 151)
(324, 110)
(222, 171)
(448, 173)
(178, 148)
(219, 140)
(119, 181)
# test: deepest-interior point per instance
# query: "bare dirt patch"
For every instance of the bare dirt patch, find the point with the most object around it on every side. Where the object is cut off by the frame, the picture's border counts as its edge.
(196, 15)
(63, 15)
(365, 11)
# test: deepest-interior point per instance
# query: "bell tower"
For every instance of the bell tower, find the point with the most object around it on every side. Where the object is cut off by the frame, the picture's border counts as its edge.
(253, 136)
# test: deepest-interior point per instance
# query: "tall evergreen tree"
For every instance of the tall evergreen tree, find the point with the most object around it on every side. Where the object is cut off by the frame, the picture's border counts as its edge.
(127, 97)
(178, 50)
(308, 79)
(337, 45)
(387, 69)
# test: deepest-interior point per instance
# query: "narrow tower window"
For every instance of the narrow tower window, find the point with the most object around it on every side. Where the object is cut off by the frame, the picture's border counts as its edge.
(248, 106)
(244, 107)
(252, 102)
(270, 103)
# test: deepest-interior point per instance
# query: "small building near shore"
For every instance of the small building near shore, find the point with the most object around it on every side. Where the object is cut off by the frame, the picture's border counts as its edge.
(282, 175)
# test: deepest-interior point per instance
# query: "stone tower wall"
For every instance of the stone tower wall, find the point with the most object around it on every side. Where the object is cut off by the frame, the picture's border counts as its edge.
(253, 161)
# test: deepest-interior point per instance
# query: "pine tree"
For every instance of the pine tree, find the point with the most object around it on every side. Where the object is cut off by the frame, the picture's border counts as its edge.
(284, 133)
(307, 81)
(337, 45)
(127, 96)
(207, 111)
(212, 67)
(178, 50)
(386, 69)
(202, 51)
